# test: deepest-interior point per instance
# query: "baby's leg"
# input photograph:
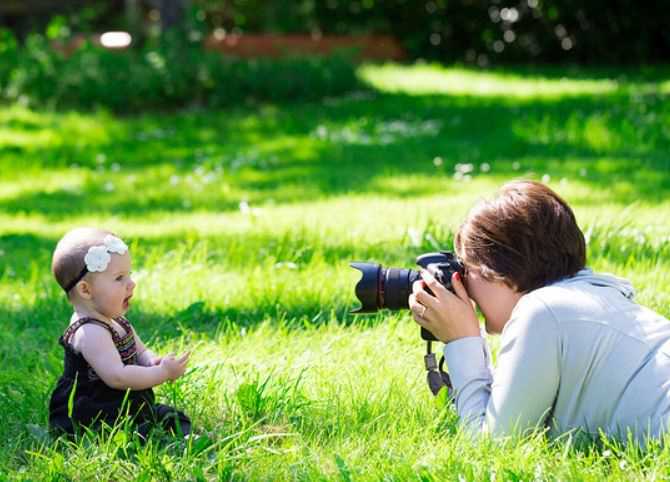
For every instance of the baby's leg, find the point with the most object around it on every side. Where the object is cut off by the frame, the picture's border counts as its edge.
(172, 419)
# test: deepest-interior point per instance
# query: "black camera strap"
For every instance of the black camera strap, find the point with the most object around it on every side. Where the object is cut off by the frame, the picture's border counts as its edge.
(436, 377)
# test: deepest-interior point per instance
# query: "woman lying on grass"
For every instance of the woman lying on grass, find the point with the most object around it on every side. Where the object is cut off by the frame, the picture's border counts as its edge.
(108, 370)
(576, 353)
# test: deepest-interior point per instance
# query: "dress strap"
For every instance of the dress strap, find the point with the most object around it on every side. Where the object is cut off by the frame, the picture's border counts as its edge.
(125, 324)
(70, 331)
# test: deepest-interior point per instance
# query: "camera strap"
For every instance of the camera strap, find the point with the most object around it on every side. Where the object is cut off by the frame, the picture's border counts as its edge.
(436, 377)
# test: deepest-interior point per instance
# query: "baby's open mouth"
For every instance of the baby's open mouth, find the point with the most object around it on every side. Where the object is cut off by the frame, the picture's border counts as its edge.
(126, 301)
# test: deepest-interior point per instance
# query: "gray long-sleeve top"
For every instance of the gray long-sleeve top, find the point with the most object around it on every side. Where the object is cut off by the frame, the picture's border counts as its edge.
(575, 355)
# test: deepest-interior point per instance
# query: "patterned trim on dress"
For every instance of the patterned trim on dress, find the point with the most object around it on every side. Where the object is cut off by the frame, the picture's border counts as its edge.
(125, 345)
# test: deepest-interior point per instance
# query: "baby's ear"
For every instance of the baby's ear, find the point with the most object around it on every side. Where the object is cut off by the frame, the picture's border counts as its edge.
(83, 290)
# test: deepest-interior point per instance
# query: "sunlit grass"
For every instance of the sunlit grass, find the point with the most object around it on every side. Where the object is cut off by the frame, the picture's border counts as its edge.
(435, 79)
(242, 225)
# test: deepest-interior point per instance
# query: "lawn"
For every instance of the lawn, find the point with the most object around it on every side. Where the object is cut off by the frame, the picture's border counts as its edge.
(242, 223)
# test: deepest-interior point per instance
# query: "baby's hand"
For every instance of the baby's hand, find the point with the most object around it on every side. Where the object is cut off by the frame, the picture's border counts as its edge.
(175, 367)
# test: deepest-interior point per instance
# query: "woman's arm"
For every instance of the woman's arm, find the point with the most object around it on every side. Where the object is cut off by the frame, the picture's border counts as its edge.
(521, 393)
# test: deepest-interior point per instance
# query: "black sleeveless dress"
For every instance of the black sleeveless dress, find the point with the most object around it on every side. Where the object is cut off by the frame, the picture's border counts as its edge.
(82, 398)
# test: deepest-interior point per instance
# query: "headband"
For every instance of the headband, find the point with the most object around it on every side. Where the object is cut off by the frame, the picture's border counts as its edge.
(98, 257)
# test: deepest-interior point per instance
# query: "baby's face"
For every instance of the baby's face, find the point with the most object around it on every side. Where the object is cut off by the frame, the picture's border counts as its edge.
(112, 289)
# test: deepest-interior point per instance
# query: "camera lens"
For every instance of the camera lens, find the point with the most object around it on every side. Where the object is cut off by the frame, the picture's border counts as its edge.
(398, 287)
(383, 288)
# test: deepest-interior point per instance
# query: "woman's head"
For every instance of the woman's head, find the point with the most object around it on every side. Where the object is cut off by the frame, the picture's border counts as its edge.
(93, 267)
(526, 237)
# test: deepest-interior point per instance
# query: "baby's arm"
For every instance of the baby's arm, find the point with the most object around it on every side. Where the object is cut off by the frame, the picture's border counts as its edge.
(97, 348)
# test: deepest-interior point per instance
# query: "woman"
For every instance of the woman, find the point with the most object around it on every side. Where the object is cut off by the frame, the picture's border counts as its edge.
(576, 353)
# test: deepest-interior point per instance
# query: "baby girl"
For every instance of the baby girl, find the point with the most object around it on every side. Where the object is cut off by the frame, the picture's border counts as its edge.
(108, 371)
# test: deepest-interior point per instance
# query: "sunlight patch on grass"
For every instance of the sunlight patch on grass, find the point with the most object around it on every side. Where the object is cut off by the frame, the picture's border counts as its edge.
(301, 148)
(370, 217)
(17, 115)
(29, 130)
(13, 138)
(425, 185)
(423, 79)
(41, 180)
(598, 135)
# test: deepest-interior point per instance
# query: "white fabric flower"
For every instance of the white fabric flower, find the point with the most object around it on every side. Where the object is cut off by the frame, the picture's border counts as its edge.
(115, 245)
(97, 258)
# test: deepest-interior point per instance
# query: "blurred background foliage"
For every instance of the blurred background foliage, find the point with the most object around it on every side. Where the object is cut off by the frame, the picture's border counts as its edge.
(474, 31)
(168, 74)
(48, 55)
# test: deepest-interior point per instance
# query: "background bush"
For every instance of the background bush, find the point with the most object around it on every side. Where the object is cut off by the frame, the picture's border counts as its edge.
(171, 73)
(598, 31)
(473, 31)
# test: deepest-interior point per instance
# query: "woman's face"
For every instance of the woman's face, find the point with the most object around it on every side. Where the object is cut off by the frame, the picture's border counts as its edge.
(495, 299)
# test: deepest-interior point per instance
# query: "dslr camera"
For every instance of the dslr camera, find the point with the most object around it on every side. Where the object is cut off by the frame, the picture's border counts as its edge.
(390, 288)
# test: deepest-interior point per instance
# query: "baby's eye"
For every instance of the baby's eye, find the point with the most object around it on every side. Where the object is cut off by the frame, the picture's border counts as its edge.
(119, 278)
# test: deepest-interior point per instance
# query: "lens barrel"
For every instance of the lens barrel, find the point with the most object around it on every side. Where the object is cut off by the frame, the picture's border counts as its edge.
(398, 287)
(381, 287)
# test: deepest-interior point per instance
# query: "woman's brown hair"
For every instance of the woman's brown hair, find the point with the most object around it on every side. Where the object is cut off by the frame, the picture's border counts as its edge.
(527, 236)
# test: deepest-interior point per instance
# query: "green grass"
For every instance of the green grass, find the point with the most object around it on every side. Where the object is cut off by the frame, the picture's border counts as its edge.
(242, 223)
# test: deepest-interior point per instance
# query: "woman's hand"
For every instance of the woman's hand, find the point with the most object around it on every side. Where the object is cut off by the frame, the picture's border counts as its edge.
(446, 315)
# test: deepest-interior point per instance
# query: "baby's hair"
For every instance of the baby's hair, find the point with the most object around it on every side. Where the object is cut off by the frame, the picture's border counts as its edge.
(67, 262)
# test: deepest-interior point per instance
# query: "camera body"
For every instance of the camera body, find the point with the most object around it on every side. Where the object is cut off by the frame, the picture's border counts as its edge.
(390, 288)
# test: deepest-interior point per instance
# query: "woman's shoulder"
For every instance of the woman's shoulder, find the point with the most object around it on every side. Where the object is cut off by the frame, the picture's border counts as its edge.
(550, 305)
(584, 296)
(555, 302)
(533, 319)
(534, 307)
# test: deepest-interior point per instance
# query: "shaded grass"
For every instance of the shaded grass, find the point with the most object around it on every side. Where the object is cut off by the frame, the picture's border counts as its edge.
(241, 225)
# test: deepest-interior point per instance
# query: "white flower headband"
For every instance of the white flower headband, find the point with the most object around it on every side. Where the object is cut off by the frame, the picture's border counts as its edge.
(98, 257)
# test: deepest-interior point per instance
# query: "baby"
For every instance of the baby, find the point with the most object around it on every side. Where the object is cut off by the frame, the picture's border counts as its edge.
(108, 371)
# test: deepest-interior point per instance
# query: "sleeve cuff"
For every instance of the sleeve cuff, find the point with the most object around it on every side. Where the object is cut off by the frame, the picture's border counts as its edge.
(466, 359)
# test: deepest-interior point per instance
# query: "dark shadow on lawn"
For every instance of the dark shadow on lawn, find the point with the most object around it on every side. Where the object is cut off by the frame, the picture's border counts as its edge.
(357, 159)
